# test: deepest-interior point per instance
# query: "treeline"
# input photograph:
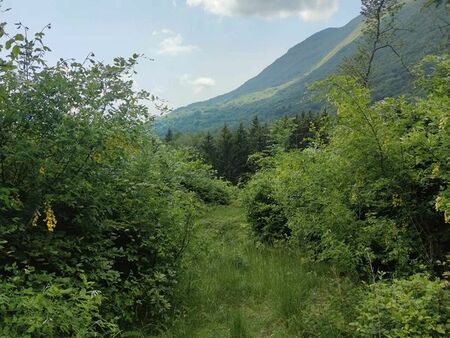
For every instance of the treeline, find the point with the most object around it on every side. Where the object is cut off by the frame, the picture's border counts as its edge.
(230, 151)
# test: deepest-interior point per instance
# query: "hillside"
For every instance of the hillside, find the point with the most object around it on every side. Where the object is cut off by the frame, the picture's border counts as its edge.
(281, 88)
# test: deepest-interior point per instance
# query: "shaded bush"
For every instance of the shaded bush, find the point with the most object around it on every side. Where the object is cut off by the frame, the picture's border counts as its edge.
(265, 215)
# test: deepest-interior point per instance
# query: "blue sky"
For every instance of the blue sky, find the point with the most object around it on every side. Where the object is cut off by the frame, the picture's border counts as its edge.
(202, 48)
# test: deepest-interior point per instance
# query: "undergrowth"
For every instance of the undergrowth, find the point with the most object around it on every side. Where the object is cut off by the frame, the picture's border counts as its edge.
(233, 287)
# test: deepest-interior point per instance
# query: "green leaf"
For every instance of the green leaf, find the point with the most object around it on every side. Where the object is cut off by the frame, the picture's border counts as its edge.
(9, 43)
(19, 37)
(15, 51)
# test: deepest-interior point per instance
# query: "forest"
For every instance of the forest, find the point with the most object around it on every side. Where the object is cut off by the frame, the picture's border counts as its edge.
(328, 223)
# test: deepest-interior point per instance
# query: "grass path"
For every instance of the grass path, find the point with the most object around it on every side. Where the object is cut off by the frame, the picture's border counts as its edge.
(233, 288)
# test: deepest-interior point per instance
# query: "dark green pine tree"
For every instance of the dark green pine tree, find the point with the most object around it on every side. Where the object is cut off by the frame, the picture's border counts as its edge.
(225, 154)
(169, 136)
(264, 137)
(258, 136)
(300, 131)
(208, 149)
(303, 132)
(240, 152)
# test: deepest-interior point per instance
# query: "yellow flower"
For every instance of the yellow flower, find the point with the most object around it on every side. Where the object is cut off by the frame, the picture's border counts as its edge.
(42, 170)
(354, 197)
(50, 218)
(435, 171)
(35, 218)
(443, 123)
(397, 201)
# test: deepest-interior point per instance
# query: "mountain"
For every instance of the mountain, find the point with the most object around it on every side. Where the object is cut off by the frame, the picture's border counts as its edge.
(281, 88)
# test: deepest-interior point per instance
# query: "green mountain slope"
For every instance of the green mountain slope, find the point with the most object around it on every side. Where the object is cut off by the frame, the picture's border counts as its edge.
(281, 88)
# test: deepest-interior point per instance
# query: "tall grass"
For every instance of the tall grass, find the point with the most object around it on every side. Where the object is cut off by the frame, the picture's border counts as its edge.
(235, 288)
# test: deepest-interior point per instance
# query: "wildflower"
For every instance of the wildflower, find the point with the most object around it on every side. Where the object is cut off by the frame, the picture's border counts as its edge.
(397, 201)
(50, 218)
(435, 171)
(35, 218)
(97, 158)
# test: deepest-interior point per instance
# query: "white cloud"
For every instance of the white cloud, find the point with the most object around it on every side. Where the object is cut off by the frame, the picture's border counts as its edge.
(172, 43)
(198, 84)
(308, 10)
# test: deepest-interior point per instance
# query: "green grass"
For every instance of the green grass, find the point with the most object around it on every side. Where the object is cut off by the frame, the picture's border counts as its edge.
(235, 288)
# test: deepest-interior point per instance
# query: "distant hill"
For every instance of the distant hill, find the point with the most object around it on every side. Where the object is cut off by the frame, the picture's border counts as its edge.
(281, 88)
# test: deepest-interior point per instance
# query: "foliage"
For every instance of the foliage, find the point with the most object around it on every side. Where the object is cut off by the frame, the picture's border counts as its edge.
(60, 309)
(377, 190)
(199, 178)
(232, 288)
(379, 34)
(414, 307)
(231, 151)
(264, 213)
(95, 212)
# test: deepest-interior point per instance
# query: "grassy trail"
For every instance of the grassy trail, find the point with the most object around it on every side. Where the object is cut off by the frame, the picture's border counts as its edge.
(233, 288)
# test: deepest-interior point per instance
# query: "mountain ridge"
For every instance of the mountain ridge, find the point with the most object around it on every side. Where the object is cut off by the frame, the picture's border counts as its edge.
(280, 88)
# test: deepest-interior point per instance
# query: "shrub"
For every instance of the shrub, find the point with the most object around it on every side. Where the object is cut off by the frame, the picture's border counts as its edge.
(42, 305)
(199, 178)
(86, 194)
(413, 307)
(377, 189)
(264, 213)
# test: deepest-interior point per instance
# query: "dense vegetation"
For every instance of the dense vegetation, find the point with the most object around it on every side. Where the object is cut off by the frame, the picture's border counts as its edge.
(95, 212)
(377, 189)
(366, 195)
(234, 154)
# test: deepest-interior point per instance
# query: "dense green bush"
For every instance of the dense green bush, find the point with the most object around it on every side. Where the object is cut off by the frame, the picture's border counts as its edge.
(264, 213)
(414, 307)
(199, 178)
(377, 190)
(63, 308)
(94, 210)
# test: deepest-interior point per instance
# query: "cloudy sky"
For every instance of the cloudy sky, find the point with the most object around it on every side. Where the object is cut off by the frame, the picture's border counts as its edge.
(202, 48)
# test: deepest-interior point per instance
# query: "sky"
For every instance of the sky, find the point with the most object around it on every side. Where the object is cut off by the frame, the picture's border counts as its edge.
(201, 48)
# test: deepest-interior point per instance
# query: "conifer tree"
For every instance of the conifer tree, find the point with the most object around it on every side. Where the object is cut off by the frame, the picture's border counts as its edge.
(225, 153)
(258, 136)
(169, 136)
(208, 149)
(281, 133)
(302, 131)
(241, 151)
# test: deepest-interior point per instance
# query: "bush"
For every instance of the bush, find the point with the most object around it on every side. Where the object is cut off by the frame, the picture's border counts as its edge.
(91, 204)
(42, 305)
(264, 213)
(414, 307)
(376, 190)
(200, 179)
